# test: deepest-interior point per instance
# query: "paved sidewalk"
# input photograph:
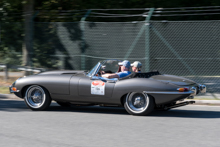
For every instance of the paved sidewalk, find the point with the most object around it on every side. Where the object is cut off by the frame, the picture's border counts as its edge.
(208, 96)
(198, 102)
(13, 74)
(205, 102)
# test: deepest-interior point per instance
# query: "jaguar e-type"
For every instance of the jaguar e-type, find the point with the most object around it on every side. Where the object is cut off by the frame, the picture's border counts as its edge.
(138, 93)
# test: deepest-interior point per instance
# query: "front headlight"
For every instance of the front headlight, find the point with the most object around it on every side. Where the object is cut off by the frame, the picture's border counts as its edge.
(13, 88)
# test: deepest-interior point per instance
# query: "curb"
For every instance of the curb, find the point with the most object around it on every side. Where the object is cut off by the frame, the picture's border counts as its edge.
(205, 102)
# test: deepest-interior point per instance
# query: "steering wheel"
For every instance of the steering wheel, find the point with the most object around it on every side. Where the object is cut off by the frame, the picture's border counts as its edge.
(99, 74)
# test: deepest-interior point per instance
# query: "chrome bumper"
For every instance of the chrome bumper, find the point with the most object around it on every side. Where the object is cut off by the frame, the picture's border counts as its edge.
(199, 89)
(12, 91)
(202, 88)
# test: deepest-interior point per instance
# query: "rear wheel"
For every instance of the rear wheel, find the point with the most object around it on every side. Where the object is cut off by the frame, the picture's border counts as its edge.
(37, 98)
(137, 103)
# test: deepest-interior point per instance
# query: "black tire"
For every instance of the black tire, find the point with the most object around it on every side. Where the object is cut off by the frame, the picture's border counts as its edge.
(64, 104)
(37, 98)
(140, 104)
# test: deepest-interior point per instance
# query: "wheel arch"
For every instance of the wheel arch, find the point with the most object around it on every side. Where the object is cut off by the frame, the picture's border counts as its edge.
(23, 90)
(123, 97)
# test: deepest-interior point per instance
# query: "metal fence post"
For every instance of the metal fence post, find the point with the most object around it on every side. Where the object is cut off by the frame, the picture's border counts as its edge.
(82, 26)
(6, 73)
(147, 40)
(134, 42)
(0, 31)
(146, 28)
(62, 62)
(32, 40)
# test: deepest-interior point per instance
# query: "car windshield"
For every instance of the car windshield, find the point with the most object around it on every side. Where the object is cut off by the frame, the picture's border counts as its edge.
(91, 72)
(109, 66)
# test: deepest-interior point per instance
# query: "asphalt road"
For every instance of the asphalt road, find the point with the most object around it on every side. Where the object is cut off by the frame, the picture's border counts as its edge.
(107, 127)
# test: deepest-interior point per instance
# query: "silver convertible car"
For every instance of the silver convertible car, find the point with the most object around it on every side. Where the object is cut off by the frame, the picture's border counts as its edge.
(139, 93)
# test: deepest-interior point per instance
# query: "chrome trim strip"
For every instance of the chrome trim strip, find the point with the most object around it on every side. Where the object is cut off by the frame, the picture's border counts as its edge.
(96, 70)
(157, 92)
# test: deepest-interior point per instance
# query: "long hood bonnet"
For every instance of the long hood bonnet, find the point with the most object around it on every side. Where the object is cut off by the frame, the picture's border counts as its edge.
(60, 72)
(181, 81)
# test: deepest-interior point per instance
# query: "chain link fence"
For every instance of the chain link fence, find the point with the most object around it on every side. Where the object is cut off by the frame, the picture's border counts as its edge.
(184, 48)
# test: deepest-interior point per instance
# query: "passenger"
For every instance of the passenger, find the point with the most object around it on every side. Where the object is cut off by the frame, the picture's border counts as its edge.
(123, 71)
(136, 66)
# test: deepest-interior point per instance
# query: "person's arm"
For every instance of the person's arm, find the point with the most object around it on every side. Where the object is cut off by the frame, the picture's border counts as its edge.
(110, 76)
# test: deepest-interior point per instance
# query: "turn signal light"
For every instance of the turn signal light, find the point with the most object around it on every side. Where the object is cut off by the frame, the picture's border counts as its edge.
(14, 88)
(183, 89)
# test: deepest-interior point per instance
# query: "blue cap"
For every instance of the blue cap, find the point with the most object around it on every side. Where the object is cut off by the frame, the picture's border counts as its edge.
(125, 63)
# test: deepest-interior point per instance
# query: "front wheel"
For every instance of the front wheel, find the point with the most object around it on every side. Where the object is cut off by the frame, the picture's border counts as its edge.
(139, 103)
(37, 98)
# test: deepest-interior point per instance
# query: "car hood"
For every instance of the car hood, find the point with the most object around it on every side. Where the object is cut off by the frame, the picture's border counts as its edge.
(60, 72)
(180, 81)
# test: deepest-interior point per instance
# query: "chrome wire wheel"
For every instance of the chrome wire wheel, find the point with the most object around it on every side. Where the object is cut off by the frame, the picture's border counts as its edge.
(35, 96)
(137, 102)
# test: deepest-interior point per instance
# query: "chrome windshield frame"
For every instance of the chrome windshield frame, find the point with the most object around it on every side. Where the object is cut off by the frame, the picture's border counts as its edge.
(95, 71)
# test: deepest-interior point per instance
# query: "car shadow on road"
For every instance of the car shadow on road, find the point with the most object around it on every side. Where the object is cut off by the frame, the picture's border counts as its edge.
(122, 111)
(91, 109)
(187, 113)
(18, 106)
(12, 105)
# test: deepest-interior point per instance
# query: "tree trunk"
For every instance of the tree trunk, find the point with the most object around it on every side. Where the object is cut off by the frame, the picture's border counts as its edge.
(28, 40)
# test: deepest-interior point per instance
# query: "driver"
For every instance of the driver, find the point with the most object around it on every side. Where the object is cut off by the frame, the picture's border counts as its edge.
(123, 71)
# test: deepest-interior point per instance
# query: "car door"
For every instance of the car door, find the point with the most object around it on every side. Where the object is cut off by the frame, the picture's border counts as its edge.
(96, 87)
